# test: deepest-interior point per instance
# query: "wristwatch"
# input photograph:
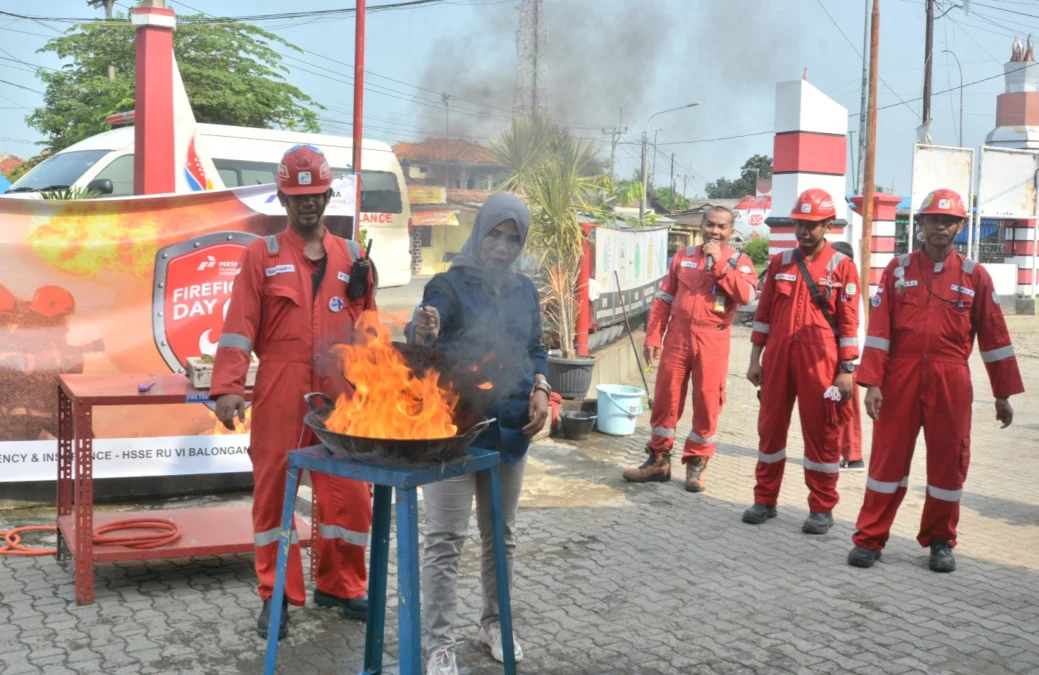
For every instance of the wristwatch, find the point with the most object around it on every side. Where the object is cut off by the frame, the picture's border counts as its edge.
(542, 385)
(848, 367)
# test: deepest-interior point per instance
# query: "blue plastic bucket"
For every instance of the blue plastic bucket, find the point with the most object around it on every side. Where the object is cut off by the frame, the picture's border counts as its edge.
(619, 408)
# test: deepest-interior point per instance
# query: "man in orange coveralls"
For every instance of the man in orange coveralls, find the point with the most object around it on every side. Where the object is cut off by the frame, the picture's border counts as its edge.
(929, 306)
(810, 352)
(696, 303)
(851, 433)
(291, 304)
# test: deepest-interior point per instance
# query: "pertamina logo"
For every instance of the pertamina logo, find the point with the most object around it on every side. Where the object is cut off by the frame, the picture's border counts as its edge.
(193, 284)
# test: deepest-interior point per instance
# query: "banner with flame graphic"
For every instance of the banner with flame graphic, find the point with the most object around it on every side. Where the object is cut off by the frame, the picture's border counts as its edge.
(132, 285)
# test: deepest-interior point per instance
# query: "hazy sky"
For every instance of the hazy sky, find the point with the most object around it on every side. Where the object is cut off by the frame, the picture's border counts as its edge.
(644, 55)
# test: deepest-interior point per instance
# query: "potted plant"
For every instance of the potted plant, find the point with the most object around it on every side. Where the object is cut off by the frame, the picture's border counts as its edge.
(556, 176)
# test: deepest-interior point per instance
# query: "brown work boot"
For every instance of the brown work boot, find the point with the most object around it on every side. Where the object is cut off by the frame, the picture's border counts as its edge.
(694, 474)
(656, 468)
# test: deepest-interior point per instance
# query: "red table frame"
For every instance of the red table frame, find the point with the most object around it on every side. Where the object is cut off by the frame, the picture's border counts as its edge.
(205, 531)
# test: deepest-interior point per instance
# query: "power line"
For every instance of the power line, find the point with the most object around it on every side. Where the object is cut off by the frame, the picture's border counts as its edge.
(12, 84)
(857, 52)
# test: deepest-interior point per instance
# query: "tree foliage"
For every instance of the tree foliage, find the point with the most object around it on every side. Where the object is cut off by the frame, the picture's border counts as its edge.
(757, 250)
(746, 184)
(662, 196)
(232, 74)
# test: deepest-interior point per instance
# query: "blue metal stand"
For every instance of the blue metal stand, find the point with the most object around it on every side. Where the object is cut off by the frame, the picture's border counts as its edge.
(406, 480)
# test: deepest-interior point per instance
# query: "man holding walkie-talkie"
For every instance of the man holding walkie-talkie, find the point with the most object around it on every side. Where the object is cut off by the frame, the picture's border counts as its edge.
(297, 293)
(807, 326)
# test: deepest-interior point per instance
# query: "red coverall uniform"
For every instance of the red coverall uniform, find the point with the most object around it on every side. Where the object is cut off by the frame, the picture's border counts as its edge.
(851, 432)
(801, 361)
(916, 352)
(275, 313)
(697, 343)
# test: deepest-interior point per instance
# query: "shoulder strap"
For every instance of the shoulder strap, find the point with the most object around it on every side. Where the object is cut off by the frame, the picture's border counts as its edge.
(816, 295)
(272, 245)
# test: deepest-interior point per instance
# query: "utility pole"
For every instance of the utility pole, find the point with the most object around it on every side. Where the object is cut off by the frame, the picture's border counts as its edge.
(108, 5)
(671, 204)
(958, 66)
(685, 186)
(645, 188)
(447, 131)
(854, 161)
(863, 101)
(928, 50)
(653, 173)
(615, 135)
(866, 252)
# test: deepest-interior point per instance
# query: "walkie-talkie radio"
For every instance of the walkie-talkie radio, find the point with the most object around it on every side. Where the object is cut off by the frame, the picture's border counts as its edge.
(358, 286)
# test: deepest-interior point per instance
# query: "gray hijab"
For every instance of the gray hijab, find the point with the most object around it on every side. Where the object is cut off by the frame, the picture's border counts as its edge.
(498, 208)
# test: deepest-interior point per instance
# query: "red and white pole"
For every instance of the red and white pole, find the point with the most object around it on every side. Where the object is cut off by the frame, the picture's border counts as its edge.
(154, 154)
(358, 108)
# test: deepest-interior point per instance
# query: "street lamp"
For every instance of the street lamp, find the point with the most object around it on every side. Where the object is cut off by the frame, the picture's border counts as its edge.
(645, 155)
(946, 51)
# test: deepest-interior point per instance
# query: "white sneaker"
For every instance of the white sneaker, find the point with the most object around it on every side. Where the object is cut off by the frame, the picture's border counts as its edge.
(442, 662)
(492, 638)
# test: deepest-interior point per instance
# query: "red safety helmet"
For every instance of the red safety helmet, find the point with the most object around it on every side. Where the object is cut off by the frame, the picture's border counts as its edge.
(52, 301)
(304, 170)
(814, 205)
(944, 202)
(7, 301)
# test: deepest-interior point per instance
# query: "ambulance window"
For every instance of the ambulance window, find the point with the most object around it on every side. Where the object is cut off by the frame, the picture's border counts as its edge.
(236, 173)
(120, 172)
(380, 192)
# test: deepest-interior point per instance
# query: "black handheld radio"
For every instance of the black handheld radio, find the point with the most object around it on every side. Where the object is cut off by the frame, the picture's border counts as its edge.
(358, 286)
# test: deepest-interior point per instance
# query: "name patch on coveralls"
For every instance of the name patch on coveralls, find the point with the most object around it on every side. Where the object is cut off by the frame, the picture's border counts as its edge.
(961, 289)
(280, 269)
(343, 276)
(786, 277)
(689, 263)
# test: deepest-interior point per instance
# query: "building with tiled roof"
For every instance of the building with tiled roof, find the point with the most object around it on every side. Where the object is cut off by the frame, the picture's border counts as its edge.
(9, 163)
(459, 164)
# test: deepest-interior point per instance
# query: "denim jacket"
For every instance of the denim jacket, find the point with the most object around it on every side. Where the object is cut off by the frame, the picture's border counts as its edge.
(500, 332)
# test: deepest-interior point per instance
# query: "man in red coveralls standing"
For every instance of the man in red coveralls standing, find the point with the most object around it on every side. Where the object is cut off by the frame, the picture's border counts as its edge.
(810, 327)
(290, 305)
(929, 306)
(696, 303)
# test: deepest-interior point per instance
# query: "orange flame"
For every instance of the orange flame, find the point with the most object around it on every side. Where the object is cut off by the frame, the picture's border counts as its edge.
(390, 400)
(486, 386)
(84, 245)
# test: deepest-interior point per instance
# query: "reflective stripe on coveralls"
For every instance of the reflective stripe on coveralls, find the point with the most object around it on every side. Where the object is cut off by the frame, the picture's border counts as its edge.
(271, 536)
(235, 341)
(921, 334)
(696, 346)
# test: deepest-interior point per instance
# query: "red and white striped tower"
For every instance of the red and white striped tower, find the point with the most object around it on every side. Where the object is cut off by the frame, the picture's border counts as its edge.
(811, 150)
(882, 244)
(154, 149)
(1017, 126)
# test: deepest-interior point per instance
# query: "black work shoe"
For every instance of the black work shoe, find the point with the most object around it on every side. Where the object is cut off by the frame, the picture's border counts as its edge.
(265, 620)
(857, 465)
(352, 608)
(758, 514)
(942, 559)
(818, 523)
(863, 557)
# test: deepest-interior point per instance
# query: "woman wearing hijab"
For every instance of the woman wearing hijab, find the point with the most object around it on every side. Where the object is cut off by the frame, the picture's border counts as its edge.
(485, 313)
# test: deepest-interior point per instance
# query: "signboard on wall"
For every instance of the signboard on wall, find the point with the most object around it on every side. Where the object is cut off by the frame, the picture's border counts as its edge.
(1007, 183)
(133, 285)
(639, 256)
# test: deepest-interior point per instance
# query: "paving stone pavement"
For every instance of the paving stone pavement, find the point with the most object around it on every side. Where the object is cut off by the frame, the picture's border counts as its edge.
(614, 578)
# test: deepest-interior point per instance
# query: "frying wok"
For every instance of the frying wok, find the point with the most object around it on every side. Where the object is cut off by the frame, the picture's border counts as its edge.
(468, 417)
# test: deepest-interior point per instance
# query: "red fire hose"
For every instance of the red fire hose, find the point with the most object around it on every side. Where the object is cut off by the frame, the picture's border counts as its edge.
(164, 532)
